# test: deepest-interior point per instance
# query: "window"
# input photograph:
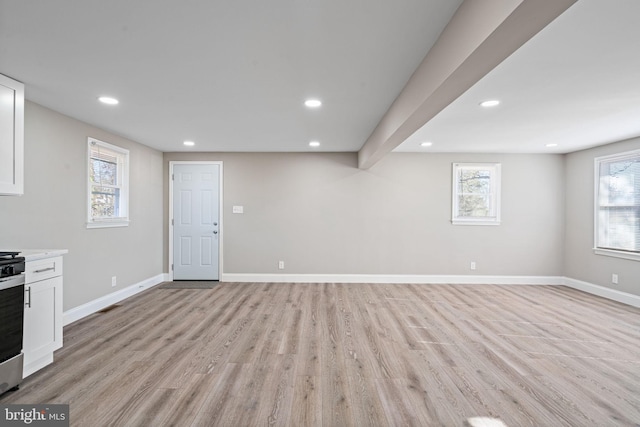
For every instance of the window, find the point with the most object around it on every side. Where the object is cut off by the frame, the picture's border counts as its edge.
(617, 216)
(476, 193)
(108, 185)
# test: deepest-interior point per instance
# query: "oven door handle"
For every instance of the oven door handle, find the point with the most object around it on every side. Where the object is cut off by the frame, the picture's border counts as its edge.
(28, 304)
(11, 281)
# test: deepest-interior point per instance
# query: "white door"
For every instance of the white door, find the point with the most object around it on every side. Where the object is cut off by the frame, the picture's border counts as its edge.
(196, 225)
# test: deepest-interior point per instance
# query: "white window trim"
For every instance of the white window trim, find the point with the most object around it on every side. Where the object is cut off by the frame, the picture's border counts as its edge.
(617, 254)
(596, 186)
(496, 179)
(124, 196)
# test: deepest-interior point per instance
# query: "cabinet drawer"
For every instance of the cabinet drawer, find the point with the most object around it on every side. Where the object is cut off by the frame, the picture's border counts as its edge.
(43, 269)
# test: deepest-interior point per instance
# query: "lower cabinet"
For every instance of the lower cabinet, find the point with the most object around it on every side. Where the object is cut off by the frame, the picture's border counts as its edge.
(42, 313)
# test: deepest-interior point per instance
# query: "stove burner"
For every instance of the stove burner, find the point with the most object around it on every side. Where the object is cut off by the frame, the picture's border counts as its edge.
(11, 265)
(9, 254)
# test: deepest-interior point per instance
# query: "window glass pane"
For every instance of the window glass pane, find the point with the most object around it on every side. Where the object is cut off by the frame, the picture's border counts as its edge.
(474, 206)
(104, 201)
(619, 183)
(104, 172)
(620, 229)
(475, 181)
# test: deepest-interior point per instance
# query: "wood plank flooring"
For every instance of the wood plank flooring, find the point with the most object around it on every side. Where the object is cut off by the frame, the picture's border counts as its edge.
(348, 355)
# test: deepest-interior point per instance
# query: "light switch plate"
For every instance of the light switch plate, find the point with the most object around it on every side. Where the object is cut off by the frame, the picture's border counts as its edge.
(238, 209)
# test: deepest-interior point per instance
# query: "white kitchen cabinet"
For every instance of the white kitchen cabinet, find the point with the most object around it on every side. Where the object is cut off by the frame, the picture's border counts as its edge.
(42, 313)
(11, 136)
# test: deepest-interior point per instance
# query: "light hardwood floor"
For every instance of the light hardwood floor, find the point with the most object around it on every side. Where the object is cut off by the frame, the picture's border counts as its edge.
(349, 355)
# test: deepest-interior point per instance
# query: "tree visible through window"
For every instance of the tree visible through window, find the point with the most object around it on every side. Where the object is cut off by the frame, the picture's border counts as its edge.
(108, 184)
(618, 202)
(476, 193)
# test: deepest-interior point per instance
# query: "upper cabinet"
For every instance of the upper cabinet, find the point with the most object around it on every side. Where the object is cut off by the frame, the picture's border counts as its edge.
(11, 136)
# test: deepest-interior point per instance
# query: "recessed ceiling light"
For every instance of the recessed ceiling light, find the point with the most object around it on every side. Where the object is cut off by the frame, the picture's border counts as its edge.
(108, 100)
(314, 144)
(490, 103)
(551, 145)
(426, 144)
(189, 143)
(313, 103)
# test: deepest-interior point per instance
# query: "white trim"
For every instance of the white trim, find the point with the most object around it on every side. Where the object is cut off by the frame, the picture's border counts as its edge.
(36, 365)
(612, 294)
(220, 206)
(496, 173)
(602, 291)
(618, 156)
(597, 161)
(98, 304)
(393, 278)
(634, 256)
(123, 184)
(108, 224)
(473, 222)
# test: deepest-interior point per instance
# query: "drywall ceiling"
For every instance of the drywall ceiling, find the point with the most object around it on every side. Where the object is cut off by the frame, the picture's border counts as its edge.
(575, 84)
(233, 76)
(229, 75)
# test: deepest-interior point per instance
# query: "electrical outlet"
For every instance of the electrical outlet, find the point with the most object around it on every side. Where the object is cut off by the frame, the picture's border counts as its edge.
(280, 265)
(614, 279)
(473, 265)
(113, 281)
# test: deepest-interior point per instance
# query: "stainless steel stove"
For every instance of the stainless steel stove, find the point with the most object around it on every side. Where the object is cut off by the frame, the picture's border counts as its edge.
(12, 269)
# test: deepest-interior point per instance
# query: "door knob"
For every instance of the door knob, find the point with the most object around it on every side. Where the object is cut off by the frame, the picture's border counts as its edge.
(215, 231)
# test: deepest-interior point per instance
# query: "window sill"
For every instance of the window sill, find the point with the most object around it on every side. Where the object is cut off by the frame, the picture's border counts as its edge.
(108, 224)
(617, 254)
(472, 222)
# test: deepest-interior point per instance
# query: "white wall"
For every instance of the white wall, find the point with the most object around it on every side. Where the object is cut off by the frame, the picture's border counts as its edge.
(52, 212)
(316, 211)
(580, 261)
(322, 215)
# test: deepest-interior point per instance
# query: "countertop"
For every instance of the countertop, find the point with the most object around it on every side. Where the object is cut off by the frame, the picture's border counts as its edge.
(36, 254)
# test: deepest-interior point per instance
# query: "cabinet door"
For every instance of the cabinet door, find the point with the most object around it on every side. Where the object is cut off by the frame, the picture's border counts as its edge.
(11, 136)
(42, 328)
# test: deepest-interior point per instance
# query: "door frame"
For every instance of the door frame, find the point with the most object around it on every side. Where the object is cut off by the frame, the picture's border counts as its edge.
(221, 219)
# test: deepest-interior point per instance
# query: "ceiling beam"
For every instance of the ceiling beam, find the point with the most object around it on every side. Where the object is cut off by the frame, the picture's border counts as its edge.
(480, 35)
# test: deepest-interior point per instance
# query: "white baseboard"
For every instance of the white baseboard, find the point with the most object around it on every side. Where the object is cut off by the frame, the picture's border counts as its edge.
(36, 365)
(91, 307)
(612, 294)
(602, 291)
(394, 278)
(98, 304)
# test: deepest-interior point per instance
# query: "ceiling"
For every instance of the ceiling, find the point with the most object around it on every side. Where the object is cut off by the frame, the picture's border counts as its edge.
(575, 84)
(233, 76)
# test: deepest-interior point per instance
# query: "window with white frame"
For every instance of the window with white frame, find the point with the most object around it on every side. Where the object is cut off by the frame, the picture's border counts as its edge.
(617, 205)
(108, 185)
(476, 194)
